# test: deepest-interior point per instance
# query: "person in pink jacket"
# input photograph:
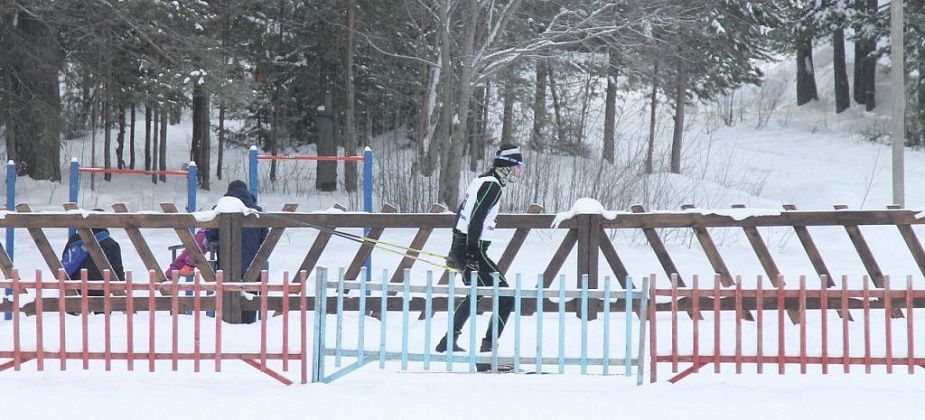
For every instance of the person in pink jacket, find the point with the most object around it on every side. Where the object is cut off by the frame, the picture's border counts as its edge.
(185, 263)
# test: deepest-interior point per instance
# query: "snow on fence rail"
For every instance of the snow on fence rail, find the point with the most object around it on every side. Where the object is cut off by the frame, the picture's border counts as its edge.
(809, 343)
(33, 338)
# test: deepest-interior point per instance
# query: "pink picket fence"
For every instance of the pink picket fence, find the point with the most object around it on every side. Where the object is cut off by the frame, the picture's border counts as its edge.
(31, 335)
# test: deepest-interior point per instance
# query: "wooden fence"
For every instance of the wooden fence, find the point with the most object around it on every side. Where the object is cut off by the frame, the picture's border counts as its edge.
(586, 233)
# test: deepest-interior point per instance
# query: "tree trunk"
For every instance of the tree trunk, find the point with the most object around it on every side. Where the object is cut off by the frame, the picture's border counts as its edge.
(148, 118)
(120, 140)
(610, 108)
(201, 133)
(424, 128)
(131, 139)
(350, 137)
(842, 95)
(507, 116)
(806, 79)
(861, 51)
(162, 144)
(155, 137)
(870, 65)
(36, 119)
(221, 141)
(326, 175)
(539, 106)
(653, 105)
(677, 136)
(449, 173)
(476, 129)
(107, 132)
(274, 137)
(561, 137)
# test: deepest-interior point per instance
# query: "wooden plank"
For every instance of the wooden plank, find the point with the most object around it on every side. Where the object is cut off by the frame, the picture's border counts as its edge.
(809, 246)
(6, 265)
(863, 250)
(366, 248)
(517, 241)
(912, 242)
(712, 253)
(659, 248)
(558, 259)
(263, 254)
(189, 242)
(229, 248)
(141, 245)
(94, 249)
(44, 247)
(610, 254)
(314, 253)
(420, 239)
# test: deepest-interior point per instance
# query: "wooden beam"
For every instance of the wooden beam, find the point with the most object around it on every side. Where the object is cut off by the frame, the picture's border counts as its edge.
(659, 248)
(517, 241)
(366, 248)
(44, 247)
(912, 242)
(141, 245)
(263, 254)
(189, 242)
(712, 253)
(863, 250)
(558, 259)
(420, 239)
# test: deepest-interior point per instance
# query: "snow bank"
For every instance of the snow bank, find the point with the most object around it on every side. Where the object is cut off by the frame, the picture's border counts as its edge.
(585, 205)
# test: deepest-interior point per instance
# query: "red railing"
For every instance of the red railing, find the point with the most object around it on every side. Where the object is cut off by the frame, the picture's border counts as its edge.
(823, 301)
(36, 349)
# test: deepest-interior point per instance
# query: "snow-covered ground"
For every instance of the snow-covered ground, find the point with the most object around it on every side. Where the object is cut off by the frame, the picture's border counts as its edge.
(806, 156)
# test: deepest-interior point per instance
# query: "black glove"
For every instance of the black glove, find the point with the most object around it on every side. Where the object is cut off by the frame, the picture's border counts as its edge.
(472, 265)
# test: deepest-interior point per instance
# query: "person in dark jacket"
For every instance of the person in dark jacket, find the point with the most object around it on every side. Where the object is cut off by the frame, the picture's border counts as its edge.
(113, 253)
(472, 234)
(251, 238)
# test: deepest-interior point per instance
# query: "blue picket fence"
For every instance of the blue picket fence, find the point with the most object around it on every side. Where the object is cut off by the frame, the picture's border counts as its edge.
(425, 359)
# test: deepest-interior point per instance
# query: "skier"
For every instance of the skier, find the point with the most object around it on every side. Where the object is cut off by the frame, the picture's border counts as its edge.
(475, 224)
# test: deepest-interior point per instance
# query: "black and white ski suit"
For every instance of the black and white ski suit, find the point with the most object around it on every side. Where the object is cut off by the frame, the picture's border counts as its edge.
(472, 234)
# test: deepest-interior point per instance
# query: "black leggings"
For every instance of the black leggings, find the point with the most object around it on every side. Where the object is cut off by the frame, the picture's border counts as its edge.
(487, 268)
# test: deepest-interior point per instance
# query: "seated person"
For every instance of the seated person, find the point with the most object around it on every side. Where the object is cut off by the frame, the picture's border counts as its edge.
(76, 258)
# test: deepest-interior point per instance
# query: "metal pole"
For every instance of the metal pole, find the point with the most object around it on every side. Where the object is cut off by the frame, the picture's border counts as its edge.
(252, 170)
(192, 178)
(368, 198)
(10, 204)
(74, 188)
(897, 74)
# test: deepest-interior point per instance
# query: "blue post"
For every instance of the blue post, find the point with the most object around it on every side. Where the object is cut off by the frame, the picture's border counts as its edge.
(405, 306)
(192, 185)
(562, 323)
(368, 195)
(517, 311)
(643, 315)
(628, 359)
(383, 316)
(318, 336)
(539, 323)
(473, 302)
(322, 305)
(252, 171)
(361, 347)
(606, 325)
(428, 311)
(450, 310)
(584, 324)
(339, 328)
(10, 206)
(74, 188)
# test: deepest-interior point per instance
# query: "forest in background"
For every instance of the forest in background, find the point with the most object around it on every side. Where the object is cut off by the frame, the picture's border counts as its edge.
(336, 73)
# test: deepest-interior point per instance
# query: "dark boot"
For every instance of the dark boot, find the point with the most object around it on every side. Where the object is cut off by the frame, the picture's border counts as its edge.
(486, 345)
(441, 346)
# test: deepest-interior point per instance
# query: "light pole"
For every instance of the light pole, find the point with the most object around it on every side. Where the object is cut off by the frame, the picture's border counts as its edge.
(897, 74)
